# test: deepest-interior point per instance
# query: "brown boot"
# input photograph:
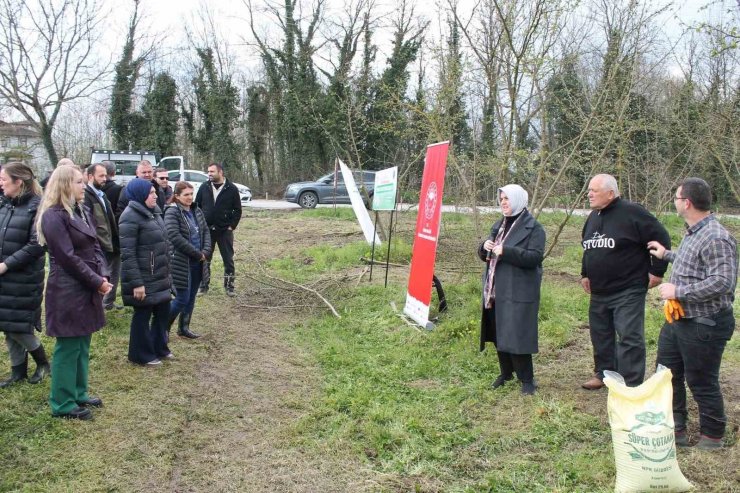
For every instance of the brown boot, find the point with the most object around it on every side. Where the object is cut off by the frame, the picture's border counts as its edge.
(594, 383)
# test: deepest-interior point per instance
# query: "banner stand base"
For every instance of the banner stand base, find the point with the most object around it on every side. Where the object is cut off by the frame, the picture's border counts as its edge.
(413, 323)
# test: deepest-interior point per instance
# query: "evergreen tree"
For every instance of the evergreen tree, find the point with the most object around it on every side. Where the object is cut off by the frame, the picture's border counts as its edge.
(123, 123)
(210, 120)
(566, 104)
(387, 121)
(295, 94)
(451, 93)
(160, 116)
(567, 110)
(258, 127)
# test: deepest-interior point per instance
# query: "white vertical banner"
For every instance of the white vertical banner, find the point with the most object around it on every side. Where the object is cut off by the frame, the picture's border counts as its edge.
(363, 217)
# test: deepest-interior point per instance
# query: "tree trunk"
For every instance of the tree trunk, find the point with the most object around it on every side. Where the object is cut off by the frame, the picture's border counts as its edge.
(45, 131)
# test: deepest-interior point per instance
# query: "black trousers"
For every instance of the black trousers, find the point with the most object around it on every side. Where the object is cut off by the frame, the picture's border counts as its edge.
(225, 242)
(617, 326)
(509, 363)
(521, 364)
(692, 349)
(148, 337)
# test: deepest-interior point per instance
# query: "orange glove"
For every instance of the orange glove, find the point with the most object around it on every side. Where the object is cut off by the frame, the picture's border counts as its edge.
(673, 310)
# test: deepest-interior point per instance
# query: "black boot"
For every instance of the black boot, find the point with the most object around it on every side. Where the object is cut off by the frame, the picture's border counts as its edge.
(18, 373)
(184, 329)
(42, 365)
(229, 285)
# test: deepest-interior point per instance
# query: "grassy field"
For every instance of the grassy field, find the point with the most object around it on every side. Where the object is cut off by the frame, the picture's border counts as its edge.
(280, 395)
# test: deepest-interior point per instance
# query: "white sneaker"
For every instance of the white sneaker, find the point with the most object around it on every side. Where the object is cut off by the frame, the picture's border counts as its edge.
(155, 362)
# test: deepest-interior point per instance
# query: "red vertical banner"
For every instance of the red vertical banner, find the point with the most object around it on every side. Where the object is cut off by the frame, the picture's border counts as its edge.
(419, 293)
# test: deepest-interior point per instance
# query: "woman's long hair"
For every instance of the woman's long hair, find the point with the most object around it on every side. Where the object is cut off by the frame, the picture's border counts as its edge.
(20, 171)
(59, 191)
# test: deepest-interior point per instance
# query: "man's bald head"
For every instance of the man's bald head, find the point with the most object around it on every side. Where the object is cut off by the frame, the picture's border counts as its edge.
(602, 190)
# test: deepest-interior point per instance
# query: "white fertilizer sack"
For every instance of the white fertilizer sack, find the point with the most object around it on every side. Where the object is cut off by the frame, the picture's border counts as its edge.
(641, 419)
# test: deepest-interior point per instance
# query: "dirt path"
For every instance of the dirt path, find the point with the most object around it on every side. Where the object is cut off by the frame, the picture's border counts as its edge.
(251, 391)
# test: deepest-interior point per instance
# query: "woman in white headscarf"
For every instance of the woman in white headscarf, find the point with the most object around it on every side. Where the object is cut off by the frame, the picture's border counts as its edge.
(513, 255)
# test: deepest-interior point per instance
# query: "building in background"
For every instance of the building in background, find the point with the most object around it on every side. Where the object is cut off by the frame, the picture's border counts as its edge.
(19, 141)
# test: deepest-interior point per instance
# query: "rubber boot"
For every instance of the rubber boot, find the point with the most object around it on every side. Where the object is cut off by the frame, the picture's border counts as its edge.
(184, 329)
(170, 322)
(18, 373)
(229, 285)
(42, 364)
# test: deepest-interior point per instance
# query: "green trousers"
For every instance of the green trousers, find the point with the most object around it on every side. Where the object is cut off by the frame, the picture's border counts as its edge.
(69, 373)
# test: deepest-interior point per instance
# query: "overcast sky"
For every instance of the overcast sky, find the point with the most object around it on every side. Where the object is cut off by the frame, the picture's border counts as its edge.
(171, 16)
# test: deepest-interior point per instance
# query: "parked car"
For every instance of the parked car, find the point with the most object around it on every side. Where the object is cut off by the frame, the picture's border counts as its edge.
(127, 161)
(197, 178)
(308, 194)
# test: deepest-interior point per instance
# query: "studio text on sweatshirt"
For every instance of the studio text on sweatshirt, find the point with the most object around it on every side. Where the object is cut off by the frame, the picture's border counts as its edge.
(615, 252)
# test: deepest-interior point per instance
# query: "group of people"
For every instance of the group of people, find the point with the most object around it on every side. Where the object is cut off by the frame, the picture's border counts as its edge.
(626, 251)
(159, 241)
(95, 232)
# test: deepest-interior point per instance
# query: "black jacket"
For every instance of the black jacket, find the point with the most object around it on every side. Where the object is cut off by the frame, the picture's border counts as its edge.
(107, 228)
(22, 286)
(123, 200)
(183, 252)
(226, 211)
(112, 190)
(145, 256)
(615, 252)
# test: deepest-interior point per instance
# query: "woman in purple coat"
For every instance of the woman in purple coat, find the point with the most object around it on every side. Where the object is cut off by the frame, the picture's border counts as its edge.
(74, 290)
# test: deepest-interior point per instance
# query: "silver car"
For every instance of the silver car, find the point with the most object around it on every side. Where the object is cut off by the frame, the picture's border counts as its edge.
(308, 194)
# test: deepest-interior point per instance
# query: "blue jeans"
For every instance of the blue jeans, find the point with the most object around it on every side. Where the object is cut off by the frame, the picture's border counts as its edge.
(184, 302)
(692, 349)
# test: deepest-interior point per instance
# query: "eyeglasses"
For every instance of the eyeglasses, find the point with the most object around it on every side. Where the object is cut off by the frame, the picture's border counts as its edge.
(680, 198)
(163, 178)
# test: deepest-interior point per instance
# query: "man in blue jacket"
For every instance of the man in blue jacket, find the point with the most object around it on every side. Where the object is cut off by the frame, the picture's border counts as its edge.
(617, 270)
(219, 200)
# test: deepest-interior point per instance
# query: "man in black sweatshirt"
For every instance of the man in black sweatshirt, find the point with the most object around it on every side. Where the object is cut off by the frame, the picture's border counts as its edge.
(219, 200)
(617, 270)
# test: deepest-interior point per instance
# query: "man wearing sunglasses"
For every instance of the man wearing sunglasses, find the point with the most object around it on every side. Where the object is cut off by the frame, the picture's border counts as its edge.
(163, 180)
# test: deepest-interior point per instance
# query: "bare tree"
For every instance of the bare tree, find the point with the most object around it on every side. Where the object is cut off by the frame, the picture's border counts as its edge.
(47, 58)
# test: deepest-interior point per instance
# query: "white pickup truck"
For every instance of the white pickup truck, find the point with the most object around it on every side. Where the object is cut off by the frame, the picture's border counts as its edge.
(126, 162)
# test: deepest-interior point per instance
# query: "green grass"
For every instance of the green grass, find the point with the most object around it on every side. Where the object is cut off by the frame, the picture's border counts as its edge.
(327, 259)
(343, 213)
(417, 404)
(413, 407)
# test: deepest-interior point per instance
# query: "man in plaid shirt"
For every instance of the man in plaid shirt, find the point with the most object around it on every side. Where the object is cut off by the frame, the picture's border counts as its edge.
(703, 279)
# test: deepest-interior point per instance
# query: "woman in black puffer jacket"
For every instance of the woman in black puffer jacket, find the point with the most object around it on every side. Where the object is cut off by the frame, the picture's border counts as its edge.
(191, 247)
(21, 273)
(145, 274)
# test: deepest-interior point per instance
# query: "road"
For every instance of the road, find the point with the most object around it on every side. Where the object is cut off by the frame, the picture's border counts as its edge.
(282, 204)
